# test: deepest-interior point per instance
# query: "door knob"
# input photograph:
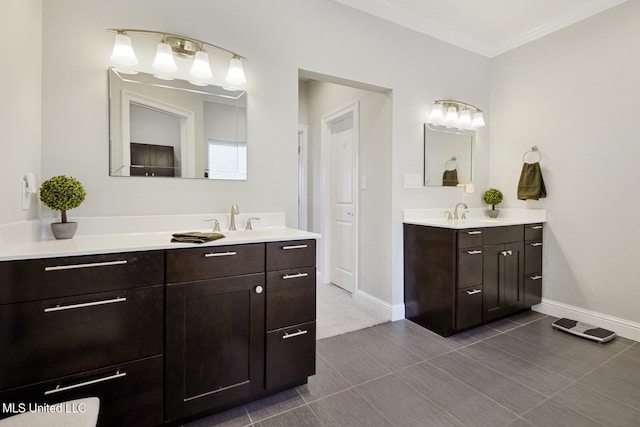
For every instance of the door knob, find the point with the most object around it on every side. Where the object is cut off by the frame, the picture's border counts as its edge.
(258, 289)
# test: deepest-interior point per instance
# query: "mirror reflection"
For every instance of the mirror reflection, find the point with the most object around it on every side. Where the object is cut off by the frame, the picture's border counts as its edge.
(448, 156)
(161, 128)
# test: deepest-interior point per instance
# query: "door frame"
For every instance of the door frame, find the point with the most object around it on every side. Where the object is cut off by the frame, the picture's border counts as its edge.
(303, 177)
(352, 109)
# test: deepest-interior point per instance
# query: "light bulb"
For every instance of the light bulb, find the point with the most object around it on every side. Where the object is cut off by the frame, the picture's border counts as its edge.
(122, 53)
(465, 118)
(437, 115)
(164, 61)
(235, 76)
(478, 119)
(452, 115)
(201, 69)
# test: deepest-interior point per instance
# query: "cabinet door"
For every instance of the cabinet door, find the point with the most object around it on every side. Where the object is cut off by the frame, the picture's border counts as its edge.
(214, 343)
(503, 280)
(291, 356)
(469, 267)
(469, 307)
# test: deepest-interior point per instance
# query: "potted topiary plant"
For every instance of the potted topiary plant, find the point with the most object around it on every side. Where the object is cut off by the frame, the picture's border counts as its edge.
(492, 197)
(62, 193)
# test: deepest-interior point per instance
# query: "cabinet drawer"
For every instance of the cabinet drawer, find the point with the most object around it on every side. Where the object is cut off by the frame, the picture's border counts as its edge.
(291, 297)
(469, 267)
(29, 280)
(532, 289)
(533, 232)
(508, 234)
(470, 238)
(469, 307)
(291, 355)
(291, 254)
(532, 257)
(185, 265)
(130, 394)
(47, 339)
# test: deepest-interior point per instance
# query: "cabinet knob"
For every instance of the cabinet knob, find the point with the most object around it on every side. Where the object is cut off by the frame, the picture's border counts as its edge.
(259, 289)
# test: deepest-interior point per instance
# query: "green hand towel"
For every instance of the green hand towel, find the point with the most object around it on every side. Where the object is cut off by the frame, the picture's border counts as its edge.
(531, 185)
(450, 178)
(195, 237)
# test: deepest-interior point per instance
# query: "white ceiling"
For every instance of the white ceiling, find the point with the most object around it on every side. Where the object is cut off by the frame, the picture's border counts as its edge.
(487, 27)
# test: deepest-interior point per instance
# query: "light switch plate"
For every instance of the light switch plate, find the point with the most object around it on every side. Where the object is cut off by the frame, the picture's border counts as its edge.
(363, 182)
(412, 181)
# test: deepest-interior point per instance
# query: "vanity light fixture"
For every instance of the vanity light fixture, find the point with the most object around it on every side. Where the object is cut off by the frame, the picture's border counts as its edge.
(170, 46)
(452, 119)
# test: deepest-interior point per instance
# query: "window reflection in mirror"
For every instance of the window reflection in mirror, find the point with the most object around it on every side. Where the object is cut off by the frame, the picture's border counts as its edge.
(173, 128)
(448, 156)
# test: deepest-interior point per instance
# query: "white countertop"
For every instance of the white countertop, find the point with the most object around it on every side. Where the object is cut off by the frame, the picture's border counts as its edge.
(126, 242)
(476, 218)
(100, 235)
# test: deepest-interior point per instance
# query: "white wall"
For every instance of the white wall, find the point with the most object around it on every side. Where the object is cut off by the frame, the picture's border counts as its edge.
(278, 37)
(20, 86)
(374, 162)
(575, 95)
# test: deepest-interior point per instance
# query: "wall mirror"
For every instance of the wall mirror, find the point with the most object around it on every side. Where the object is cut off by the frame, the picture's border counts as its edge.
(448, 156)
(173, 128)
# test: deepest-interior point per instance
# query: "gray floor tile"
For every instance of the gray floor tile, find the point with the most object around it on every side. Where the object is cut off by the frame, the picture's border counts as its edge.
(552, 414)
(482, 332)
(562, 365)
(613, 384)
(235, 417)
(423, 343)
(348, 408)
(404, 406)
(598, 407)
(526, 316)
(379, 346)
(299, 417)
(455, 397)
(503, 324)
(530, 374)
(353, 364)
(274, 404)
(510, 394)
(520, 422)
(326, 381)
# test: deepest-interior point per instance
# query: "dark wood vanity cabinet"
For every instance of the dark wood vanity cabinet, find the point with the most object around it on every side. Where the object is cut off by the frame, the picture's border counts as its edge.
(455, 279)
(158, 336)
(85, 326)
(215, 328)
(240, 324)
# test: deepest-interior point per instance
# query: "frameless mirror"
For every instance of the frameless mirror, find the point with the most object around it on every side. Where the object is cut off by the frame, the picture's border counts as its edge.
(448, 156)
(175, 129)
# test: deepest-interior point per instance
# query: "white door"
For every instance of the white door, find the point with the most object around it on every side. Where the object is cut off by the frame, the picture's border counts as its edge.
(343, 203)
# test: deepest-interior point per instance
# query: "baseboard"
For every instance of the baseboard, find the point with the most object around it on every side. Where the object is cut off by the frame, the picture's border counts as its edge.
(621, 327)
(388, 311)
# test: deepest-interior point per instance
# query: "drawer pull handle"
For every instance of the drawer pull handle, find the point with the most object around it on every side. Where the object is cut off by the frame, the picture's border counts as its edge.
(473, 292)
(474, 232)
(286, 248)
(536, 277)
(536, 244)
(294, 276)
(87, 265)
(59, 389)
(474, 252)
(215, 254)
(536, 227)
(86, 304)
(295, 334)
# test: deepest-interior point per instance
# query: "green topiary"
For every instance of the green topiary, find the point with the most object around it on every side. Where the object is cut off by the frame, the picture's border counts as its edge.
(62, 193)
(492, 197)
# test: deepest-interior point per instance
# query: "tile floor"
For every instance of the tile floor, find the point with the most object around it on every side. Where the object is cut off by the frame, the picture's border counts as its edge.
(515, 372)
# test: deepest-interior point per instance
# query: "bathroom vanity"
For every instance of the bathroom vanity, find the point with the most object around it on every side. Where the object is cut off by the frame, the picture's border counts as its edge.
(160, 333)
(461, 274)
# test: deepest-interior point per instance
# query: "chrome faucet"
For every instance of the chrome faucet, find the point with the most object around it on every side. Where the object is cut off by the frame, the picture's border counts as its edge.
(455, 211)
(232, 223)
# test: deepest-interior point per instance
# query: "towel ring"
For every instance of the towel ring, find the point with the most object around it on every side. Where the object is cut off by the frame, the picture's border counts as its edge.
(533, 150)
(453, 160)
